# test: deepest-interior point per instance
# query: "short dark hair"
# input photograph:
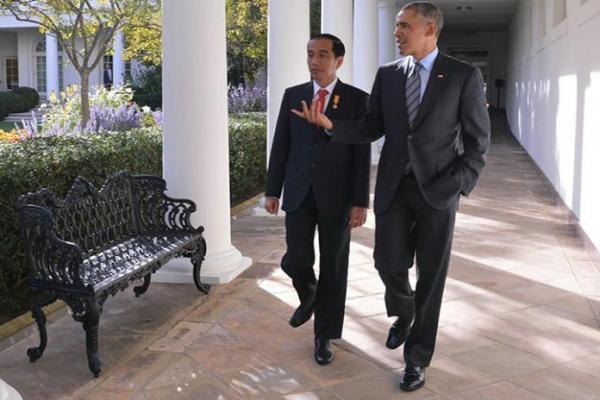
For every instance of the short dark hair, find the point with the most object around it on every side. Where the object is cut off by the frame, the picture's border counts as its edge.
(339, 50)
(428, 11)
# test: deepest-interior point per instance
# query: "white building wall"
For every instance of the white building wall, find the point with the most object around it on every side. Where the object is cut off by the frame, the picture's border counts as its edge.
(553, 85)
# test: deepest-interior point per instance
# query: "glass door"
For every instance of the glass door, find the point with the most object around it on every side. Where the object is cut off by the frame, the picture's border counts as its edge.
(11, 71)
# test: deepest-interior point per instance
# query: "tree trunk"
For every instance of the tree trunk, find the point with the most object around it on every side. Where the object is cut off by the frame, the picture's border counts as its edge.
(85, 99)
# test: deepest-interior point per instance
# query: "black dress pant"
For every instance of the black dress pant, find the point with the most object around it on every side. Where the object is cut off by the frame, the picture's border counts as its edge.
(329, 291)
(395, 245)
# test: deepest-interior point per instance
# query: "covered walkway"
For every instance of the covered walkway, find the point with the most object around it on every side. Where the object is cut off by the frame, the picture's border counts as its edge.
(521, 317)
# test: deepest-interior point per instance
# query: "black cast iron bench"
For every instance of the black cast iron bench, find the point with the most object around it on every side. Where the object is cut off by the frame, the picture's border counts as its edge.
(95, 243)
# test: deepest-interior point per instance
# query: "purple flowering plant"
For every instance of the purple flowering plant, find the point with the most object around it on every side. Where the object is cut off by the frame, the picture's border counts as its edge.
(243, 99)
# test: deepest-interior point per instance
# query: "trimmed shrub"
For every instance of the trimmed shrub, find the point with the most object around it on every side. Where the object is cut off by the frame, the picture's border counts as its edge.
(21, 99)
(54, 162)
(148, 88)
(247, 154)
(31, 96)
(7, 103)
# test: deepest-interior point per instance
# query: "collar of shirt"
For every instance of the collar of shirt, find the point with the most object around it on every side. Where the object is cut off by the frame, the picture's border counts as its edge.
(329, 89)
(427, 63)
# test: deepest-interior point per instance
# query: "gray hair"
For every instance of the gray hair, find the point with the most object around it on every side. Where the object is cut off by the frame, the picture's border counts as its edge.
(428, 11)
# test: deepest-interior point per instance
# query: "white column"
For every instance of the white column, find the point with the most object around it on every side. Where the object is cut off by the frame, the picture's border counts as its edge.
(195, 143)
(51, 64)
(24, 57)
(366, 57)
(289, 32)
(118, 60)
(288, 35)
(387, 25)
(337, 19)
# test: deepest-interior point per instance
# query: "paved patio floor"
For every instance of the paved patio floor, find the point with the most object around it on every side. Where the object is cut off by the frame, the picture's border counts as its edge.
(520, 318)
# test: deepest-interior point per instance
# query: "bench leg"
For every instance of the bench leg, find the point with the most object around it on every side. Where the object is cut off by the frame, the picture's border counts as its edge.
(35, 353)
(197, 257)
(140, 290)
(90, 325)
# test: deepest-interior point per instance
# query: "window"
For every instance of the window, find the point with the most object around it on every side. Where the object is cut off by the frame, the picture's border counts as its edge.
(560, 11)
(40, 66)
(12, 73)
(108, 71)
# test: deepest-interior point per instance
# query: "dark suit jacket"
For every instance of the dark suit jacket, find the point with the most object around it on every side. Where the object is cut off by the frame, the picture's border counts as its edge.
(453, 110)
(303, 155)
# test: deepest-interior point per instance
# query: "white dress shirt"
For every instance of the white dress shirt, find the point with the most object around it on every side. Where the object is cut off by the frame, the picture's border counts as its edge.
(329, 89)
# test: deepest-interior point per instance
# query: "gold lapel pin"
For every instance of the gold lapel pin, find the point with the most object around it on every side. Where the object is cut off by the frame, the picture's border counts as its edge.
(336, 101)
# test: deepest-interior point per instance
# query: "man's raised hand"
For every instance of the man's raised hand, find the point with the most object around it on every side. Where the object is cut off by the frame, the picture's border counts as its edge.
(313, 114)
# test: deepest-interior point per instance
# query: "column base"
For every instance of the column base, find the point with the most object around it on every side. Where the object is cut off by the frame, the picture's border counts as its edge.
(217, 268)
(7, 392)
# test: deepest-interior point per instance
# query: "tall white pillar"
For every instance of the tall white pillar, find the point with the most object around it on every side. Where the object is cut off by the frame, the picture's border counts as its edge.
(51, 64)
(337, 19)
(387, 25)
(195, 142)
(118, 60)
(24, 56)
(366, 54)
(288, 35)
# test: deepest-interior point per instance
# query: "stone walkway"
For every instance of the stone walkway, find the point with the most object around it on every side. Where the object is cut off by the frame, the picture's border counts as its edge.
(520, 318)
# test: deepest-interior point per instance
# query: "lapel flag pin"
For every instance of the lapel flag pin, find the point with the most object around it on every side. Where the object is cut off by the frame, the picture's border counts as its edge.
(336, 101)
(440, 76)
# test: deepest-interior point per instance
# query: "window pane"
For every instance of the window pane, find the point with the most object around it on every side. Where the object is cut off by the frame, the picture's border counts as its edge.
(12, 73)
(41, 73)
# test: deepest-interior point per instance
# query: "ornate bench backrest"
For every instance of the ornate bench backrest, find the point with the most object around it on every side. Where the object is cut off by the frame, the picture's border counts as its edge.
(92, 219)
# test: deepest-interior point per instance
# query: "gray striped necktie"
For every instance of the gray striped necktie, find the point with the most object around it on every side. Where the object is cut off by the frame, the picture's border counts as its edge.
(413, 93)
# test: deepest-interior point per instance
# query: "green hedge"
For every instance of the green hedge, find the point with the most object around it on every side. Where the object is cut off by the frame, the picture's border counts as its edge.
(20, 99)
(55, 162)
(247, 154)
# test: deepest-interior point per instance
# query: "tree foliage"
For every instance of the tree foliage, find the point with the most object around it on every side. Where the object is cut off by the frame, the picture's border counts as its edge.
(143, 33)
(246, 39)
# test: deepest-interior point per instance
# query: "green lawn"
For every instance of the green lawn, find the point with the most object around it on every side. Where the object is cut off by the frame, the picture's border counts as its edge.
(7, 126)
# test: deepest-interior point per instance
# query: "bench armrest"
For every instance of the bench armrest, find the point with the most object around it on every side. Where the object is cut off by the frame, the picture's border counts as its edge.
(49, 258)
(161, 213)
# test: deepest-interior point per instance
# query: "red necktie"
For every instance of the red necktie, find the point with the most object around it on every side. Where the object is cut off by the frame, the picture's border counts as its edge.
(322, 95)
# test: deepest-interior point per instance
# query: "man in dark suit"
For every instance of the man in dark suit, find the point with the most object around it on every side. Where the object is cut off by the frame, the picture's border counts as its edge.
(425, 105)
(326, 185)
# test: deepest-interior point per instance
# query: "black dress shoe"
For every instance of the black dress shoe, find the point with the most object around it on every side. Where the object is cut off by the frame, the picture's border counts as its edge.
(412, 378)
(398, 332)
(301, 315)
(323, 351)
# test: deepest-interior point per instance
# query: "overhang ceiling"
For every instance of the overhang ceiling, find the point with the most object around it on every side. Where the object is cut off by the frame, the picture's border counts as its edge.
(475, 15)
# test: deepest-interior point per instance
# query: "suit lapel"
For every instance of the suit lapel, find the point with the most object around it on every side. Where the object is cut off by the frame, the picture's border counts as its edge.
(400, 93)
(335, 101)
(435, 83)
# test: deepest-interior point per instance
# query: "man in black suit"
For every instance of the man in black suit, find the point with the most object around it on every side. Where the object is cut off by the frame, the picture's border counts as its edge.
(326, 185)
(425, 105)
